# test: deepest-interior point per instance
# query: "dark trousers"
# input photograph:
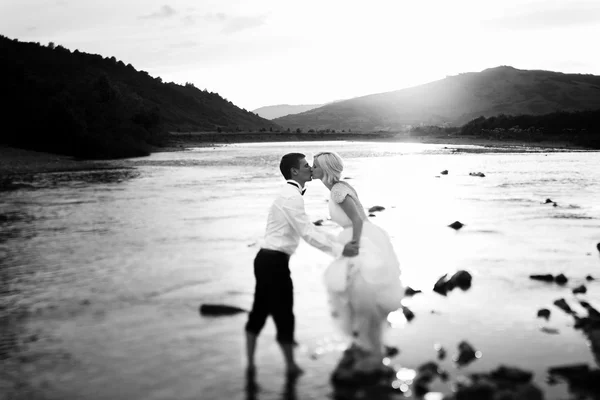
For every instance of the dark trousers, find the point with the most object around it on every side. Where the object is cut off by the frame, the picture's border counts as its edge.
(273, 295)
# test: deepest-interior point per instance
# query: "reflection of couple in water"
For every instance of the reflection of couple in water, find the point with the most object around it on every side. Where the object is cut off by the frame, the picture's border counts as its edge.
(363, 282)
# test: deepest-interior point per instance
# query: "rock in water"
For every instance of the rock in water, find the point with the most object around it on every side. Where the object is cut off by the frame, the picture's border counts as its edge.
(441, 286)
(461, 279)
(579, 289)
(408, 314)
(376, 208)
(456, 225)
(544, 277)
(220, 309)
(466, 353)
(410, 291)
(543, 313)
(358, 368)
(563, 305)
(561, 279)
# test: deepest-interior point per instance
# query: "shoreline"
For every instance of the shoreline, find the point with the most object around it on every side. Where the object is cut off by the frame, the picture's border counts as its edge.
(182, 141)
(16, 162)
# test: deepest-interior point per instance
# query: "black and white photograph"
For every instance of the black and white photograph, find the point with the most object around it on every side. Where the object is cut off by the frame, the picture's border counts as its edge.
(286, 200)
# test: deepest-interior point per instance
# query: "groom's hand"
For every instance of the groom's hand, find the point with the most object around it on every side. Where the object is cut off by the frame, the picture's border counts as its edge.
(350, 249)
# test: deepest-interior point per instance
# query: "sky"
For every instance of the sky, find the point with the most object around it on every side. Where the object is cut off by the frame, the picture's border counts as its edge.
(265, 52)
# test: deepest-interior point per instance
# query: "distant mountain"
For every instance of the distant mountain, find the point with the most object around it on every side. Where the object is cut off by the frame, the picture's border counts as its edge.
(272, 112)
(86, 105)
(456, 100)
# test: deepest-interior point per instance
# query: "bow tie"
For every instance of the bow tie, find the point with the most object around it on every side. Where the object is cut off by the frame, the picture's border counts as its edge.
(301, 190)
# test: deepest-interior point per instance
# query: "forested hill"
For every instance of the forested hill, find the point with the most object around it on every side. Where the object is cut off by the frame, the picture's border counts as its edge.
(456, 100)
(89, 106)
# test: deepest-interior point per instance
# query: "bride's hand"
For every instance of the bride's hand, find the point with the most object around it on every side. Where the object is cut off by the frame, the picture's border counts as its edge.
(350, 249)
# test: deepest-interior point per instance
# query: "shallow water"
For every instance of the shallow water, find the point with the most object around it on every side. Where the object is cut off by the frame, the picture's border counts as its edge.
(103, 272)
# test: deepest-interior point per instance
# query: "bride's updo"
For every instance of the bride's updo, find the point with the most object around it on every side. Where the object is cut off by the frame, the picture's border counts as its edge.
(332, 165)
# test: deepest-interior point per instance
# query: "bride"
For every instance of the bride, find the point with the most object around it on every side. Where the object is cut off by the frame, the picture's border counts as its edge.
(364, 289)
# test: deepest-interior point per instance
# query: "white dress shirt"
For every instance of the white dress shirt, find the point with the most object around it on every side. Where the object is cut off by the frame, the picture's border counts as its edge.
(288, 222)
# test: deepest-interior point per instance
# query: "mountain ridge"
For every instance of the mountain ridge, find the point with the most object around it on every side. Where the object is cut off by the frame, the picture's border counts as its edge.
(456, 100)
(281, 110)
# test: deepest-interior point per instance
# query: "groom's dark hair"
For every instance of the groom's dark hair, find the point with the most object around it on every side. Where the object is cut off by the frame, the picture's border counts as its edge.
(289, 161)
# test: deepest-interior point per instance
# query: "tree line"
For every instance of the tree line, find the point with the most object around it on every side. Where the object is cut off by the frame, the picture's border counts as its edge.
(90, 106)
(577, 127)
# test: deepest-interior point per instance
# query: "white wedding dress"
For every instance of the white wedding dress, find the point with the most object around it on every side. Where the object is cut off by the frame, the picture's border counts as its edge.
(364, 289)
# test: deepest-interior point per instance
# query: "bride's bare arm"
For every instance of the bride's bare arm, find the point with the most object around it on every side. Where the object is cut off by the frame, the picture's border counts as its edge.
(349, 207)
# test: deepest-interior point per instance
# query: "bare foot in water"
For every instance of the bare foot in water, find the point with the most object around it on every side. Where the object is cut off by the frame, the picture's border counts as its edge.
(294, 371)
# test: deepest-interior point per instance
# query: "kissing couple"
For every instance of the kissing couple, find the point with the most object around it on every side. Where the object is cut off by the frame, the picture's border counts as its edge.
(363, 282)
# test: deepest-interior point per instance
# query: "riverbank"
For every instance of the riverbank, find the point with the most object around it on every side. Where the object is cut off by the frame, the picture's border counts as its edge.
(181, 141)
(14, 161)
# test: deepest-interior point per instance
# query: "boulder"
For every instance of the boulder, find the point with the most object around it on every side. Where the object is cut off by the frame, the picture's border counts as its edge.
(376, 209)
(444, 172)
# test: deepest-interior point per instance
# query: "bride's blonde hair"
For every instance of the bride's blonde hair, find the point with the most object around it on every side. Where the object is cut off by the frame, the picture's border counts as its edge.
(331, 164)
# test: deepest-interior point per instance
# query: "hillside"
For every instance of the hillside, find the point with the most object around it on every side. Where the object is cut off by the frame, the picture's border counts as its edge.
(456, 100)
(281, 110)
(85, 105)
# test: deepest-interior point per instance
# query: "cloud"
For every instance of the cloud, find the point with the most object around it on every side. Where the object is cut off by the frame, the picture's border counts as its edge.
(218, 17)
(184, 45)
(243, 23)
(164, 12)
(576, 14)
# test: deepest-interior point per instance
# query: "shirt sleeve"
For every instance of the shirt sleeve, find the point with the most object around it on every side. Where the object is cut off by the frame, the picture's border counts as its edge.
(293, 210)
(339, 192)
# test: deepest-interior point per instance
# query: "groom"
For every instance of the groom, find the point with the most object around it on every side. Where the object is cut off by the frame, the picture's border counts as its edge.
(274, 292)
